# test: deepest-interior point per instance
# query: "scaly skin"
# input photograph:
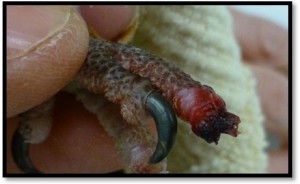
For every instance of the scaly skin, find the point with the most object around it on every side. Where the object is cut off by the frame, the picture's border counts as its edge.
(198, 104)
(127, 76)
(100, 74)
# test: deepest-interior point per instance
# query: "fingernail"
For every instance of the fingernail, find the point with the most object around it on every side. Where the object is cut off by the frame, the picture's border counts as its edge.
(29, 25)
(108, 21)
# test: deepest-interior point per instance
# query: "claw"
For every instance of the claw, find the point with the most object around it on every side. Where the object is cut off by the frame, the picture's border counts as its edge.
(166, 125)
(20, 152)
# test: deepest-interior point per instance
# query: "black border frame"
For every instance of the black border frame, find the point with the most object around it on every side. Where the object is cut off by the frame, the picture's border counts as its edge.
(290, 82)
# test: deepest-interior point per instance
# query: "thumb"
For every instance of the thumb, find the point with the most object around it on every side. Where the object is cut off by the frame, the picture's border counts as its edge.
(46, 45)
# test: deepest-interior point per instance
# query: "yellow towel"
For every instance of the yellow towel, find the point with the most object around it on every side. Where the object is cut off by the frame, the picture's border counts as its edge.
(200, 41)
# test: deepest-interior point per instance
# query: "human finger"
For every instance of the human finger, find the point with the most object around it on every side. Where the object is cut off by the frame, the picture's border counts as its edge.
(46, 46)
(262, 42)
(108, 21)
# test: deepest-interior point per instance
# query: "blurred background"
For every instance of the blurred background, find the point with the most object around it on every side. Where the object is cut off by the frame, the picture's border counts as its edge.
(275, 13)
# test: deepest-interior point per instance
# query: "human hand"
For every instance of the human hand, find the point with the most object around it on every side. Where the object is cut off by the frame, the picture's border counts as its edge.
(46, 47)
(264, 48)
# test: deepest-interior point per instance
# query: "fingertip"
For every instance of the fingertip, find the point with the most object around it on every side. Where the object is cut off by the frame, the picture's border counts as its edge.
(108, 21)
(39, 66)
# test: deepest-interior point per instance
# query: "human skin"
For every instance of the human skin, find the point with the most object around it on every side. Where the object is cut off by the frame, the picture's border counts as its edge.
(73, 125)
